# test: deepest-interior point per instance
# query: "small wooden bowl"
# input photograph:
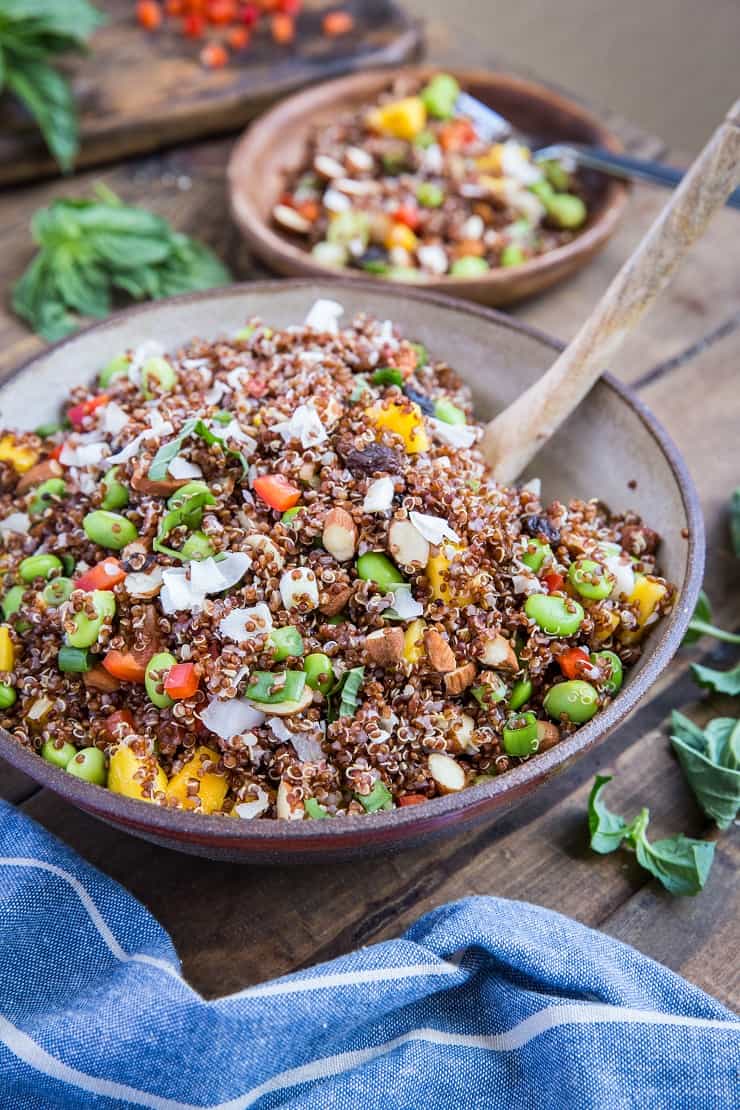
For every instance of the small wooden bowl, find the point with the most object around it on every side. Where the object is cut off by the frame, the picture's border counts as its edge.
(275, 145)
(611, 447)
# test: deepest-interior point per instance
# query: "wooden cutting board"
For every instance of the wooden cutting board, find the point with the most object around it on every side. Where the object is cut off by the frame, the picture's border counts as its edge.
(139, 91)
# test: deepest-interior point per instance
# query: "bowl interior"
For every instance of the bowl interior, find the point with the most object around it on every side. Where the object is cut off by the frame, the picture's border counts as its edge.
(608, 448)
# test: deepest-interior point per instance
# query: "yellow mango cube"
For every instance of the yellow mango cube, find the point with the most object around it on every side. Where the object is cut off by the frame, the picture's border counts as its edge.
(399, 235)
(647, 596)
(603, 633)
(405, 420)
(490, 162)
(7, 651)
(437, 570)
(413, 641)
(124, 764)
(20, 458)
(402, 119)
(212, 788)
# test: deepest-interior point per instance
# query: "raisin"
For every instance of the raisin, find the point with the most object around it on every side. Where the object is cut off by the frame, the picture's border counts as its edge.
(375, 459)
(540, 526)
(425, 403)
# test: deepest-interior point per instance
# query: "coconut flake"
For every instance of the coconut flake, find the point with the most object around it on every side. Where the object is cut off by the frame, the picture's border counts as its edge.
(183, 468)
(527, 584)
(229, 717)
(216, 392)
(516, 164)
(434, 529)
(83, 454)
(150, 348)
(188, 587)
(534, 486)
(15, 522)
(114, 418)
(433, 258)
(432, 159)
(621, 567)
(405, 605)
(304, 425)
(454, 435)
(255, 808)
(234, 625)
(379, 496)
(334, 201)
(324, 316)
(307, 747)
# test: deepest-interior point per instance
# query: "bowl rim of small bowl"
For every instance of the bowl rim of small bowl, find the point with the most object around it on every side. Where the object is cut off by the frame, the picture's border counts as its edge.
(277, 250)
(268, 836)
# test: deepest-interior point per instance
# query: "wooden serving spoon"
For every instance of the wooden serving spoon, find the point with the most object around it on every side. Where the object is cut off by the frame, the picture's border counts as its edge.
(514, 437)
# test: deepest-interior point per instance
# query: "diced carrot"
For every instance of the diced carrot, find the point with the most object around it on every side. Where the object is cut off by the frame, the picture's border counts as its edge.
(309, 209)
(337, 23)
(214, 56)
(182, 680)
(103, 576)
(221, 12)
(573, 661)
(238, 38)
(149, 14)
(56, 451)
(174, 7)
(457, 134)
(277, 492)
(408, 215)
(553, 581)
(411, 799)
(282, 28)
(290, 7)
(76, 415)
(125, 665)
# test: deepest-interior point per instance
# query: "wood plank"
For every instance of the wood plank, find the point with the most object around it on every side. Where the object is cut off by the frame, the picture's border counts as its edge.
(139, 91)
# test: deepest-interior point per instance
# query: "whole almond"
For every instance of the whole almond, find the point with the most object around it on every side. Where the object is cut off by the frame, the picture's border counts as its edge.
(49, 468)
(333, 600)
(499, 654)
(459, 679)
(447, 773)
(548, 735)
(407, 545)
(340, 535)
(440, 654)
(384, 647)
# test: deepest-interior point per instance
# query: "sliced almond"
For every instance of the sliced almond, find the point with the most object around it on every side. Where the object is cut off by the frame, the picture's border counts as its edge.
(358, 159)
(153, 488)
(291, 220)
(459, 679)
(463, 732)
(499, 654)
(286, 708)
(328, 167)
(144, 584)
(263, 545)
(49, 468)
(333, 600)
(440, 654)
(548, 735)
(288, 810)
(340, 534)
(365, 188)
(447, 773)
(407, 545)
(385, 647)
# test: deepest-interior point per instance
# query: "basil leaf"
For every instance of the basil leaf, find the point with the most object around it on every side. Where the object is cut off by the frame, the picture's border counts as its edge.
(716, 788)
(723, 742)
(182, 515)
(48, 97)
(687, 732)
(351, 685)
(701, 625)
(194, 426)
(607, 829)
(680, 863)
(735, 521)
(722, 682)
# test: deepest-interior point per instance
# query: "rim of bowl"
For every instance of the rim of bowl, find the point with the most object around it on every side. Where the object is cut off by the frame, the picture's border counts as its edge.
(270, 244)
(383, 827)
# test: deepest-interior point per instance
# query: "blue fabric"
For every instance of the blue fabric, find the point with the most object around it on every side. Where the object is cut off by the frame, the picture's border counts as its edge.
(483, 1003)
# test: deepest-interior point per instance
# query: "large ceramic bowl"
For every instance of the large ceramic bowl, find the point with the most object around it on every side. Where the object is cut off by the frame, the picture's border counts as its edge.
(275, 145)
(611, 447)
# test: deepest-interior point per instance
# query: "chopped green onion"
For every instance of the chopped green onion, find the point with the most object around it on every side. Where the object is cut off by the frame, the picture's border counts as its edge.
(263, 686)
(448, 413)
(351, 686)
(387, 375)
(286, 642)
(379, 797)
(73, 660)
(315, 809)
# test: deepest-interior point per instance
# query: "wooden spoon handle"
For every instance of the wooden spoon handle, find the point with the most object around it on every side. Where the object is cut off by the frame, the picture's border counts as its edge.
(515, 436)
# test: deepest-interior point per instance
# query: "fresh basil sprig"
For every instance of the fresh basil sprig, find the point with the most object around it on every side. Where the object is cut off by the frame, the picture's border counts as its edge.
(89, 249)
(710, 760)
(195, 426)
(701, 624)
(722, 682)
(735, 521)
(32, 34)
(183, 514)
(680, 863)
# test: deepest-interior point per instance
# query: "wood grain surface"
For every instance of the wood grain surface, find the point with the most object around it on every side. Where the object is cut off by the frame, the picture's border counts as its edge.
(139, 91)
(234, 925)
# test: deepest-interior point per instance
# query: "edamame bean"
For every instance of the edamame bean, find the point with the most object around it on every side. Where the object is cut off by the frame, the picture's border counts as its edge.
(7, 695)
(520, 735)
(115, 494)
(58, 754)
(611, 668)
(290, 514)
(57, 591)
(87, 629)
(512, 255)
(319, 672)
(566, 211)
(469, 266)
(109, 529)
(39, 566)
(118, 367)
(156, 671)
(12, 602)
(286, 642)
(440, 95)
(448, 413)
(52, 487)
(536, 553)
(373, 566)
(430, 195)
(88, 765)
(557, 175)
(157, 372)
(558, 616)
(576, 700)
(521, 692)
(590, 579)
(197, 546)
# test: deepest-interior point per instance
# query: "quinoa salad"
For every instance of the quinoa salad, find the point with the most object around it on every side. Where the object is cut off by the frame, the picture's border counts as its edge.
(271, 577)
(411, 189)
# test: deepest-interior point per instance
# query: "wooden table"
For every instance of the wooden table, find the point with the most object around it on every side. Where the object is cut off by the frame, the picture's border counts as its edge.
(234, 925)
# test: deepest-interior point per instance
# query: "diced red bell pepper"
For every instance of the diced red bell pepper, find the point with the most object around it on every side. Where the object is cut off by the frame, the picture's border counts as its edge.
(103, 576)
(277, 492)
(411, 799)
(56, 452)
(221, 12)
(125, 665)
(251, 15)
(282, 28)
(193, 25)
(408, 215)
(76, 415)
(553, 581)
(574, 661)
(182, 680)
(118, 724)
(457, 134)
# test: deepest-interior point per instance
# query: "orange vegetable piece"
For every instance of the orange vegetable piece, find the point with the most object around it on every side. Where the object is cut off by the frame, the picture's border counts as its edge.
(282, 27)
(76, 415)
(277, 492)
(182, 680)
(214, 56)
(411, 799)
(238, 38)
(221, 12)
(573, 662)
(149, 14)
(103, 576)
(125, 665)
(337, 23)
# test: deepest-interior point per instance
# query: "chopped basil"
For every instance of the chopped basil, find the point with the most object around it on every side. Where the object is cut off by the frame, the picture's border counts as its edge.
(315, 809)
(607, 829)
(722, 682)
(273, 688)
(351, 686)
(185, 514)
(710, 760)
(193, 427)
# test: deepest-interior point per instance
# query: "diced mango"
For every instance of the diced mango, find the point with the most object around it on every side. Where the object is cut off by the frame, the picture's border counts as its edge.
(437, 569)
(603, 633)
(401, 119)
(21, 458)
(405, 420)
(647, 596)
(124, 764)
(399, 235)
(413, 641)
(490, 162)
(7, 651)
(212, 788)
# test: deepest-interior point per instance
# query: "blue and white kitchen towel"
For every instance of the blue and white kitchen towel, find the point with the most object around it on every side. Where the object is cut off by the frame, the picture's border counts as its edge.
(484, 1003)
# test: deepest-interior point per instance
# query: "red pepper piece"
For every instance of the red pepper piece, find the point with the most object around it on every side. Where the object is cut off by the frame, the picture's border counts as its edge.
(182, 680)
(76, 415)
(277, 492)
(103, 576)
(125, 665)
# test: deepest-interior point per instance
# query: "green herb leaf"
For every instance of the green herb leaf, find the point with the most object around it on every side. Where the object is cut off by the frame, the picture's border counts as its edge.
(722, 682)
(700, 625)
(182, 515)
(351, 684)
(379, 797)
(607, 829)
(48, 97)
(387, 375)
(680, 863)
(270, 688)
(710, 760)
(314, 809)
(195, 426)
(735, 521)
